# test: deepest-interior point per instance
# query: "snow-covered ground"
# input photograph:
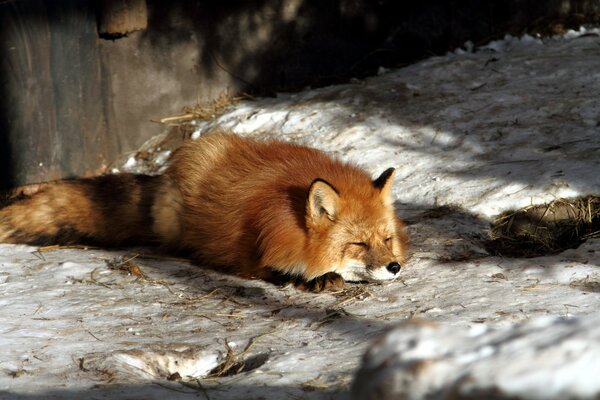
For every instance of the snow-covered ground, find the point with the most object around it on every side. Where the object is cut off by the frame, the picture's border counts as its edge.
(472, 134)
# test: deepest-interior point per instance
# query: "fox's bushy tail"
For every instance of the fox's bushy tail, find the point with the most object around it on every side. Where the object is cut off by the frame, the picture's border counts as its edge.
(105, 210)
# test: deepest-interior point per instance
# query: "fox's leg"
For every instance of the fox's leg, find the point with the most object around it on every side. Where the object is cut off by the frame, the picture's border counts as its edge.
(328, 281)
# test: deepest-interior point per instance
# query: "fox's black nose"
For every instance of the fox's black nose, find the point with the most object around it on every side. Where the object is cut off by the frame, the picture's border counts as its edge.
(393, 267)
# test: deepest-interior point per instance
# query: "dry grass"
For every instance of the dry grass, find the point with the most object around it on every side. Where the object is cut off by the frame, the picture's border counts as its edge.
(546, 229)
(205, 111)
(127, 265)
(234, 364)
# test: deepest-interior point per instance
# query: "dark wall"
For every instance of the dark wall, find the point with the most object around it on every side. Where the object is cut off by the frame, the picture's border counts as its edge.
(53, 93)
(70, 102)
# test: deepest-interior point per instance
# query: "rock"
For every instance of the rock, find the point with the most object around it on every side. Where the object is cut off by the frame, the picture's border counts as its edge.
(544, 358)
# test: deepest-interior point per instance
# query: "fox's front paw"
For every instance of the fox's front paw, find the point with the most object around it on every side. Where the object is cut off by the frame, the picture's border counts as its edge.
(329, 281)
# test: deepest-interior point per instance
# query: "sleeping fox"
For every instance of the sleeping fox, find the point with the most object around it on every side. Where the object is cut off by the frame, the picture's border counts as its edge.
(257, 207)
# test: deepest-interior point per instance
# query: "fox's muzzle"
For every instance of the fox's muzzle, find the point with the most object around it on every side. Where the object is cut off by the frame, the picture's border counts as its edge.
(393, 267)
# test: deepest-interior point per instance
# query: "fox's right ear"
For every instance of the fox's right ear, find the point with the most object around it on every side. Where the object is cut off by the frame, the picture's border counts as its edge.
(323, 201)
(384, 185)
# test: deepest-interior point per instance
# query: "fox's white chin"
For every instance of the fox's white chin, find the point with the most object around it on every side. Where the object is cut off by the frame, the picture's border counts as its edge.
(357, 272)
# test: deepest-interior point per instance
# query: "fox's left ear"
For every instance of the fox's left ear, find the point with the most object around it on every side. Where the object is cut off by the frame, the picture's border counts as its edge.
(384, 185)
(322, 203)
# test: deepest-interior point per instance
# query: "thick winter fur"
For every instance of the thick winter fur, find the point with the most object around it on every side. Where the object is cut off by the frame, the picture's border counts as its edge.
(249, 205)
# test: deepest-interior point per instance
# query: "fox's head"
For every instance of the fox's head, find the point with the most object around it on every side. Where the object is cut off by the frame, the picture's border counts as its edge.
(354, 231)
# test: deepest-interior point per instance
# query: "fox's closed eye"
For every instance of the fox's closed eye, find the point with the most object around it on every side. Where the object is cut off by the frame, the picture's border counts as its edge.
(360, 244)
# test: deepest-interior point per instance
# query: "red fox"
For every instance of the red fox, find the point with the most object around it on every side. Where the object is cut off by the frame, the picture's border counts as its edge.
(257, 207)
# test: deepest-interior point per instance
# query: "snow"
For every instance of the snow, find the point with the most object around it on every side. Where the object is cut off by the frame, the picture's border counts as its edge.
(477, 131)
(131, 162)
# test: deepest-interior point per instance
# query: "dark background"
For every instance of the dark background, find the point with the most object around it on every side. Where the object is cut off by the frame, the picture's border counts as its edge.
(71, 101)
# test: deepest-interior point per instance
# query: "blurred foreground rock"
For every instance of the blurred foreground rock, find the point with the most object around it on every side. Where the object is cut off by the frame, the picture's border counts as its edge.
(545, 358)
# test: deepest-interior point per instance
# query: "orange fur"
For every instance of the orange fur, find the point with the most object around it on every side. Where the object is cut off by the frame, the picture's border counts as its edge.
(250, 205)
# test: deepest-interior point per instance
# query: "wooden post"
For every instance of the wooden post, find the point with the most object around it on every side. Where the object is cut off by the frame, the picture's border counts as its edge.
(120, 17)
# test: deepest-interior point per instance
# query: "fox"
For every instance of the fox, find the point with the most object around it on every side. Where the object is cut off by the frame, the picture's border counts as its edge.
(259, 208)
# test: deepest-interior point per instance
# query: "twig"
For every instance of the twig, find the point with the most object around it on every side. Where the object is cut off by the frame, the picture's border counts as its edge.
(61, 247)
(94, 336)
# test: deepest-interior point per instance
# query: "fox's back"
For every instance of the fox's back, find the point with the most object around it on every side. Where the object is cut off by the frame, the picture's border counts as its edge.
(225, 159)
(237, 190)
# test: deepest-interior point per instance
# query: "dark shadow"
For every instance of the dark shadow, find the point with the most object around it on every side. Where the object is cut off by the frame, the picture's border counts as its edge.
(270, 45)
(51, 120)
(175, 391)
(6, 173)
(448, 233)
(7, 107)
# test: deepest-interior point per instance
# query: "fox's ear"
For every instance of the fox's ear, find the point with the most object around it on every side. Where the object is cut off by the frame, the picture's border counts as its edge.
(384, 185)
(323, 201)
